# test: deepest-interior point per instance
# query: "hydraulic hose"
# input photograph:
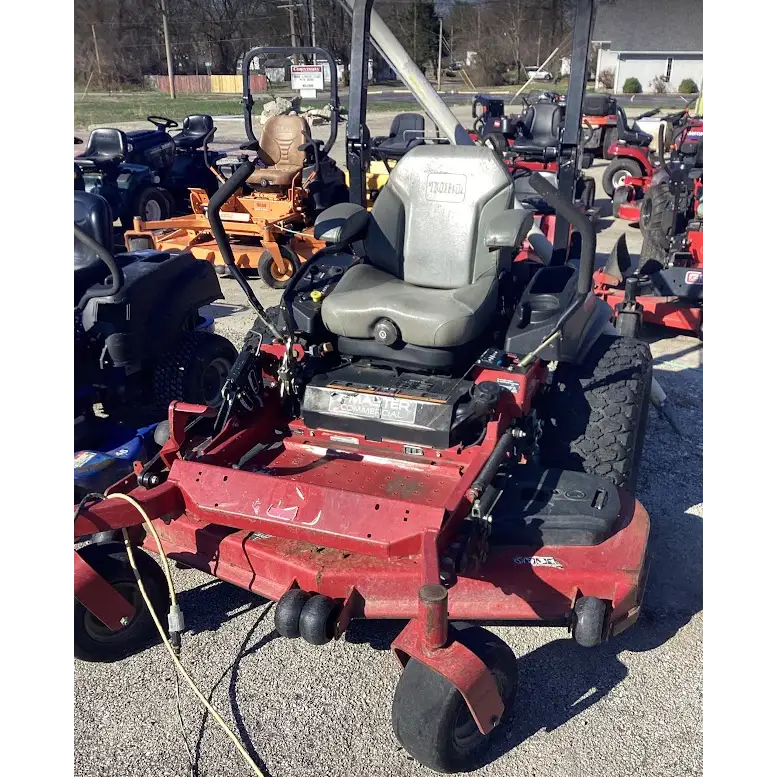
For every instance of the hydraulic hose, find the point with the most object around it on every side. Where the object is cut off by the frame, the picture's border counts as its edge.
(107, 257)
(231, 186)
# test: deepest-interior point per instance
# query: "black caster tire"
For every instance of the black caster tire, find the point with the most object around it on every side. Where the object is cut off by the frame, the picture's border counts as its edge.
(497, 141)
(627, 325)
(317, 620)
(588, 622)
(615, 173)
(271, 275)
(93, 640)
(620, 197)
(429, 716)
(287, 612)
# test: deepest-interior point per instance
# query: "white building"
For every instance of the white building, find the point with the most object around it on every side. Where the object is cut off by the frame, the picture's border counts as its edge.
(646, 39)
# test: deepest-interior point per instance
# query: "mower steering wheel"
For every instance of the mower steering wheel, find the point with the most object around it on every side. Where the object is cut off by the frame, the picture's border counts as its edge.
(162, 122)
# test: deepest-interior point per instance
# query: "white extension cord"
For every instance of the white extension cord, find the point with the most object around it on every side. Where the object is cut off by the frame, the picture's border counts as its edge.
(174, 606)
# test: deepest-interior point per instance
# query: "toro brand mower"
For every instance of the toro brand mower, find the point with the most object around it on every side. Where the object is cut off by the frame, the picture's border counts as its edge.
(423, 436)
(628, 177)
(666, 288)
(140, 343)
(270, 219)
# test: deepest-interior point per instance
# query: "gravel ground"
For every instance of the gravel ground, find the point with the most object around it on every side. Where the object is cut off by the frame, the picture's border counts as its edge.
(631, 707)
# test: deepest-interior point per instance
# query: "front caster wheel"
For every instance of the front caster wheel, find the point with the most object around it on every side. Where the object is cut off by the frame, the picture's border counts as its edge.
(430, 718)
(588, 621)
(93, 640)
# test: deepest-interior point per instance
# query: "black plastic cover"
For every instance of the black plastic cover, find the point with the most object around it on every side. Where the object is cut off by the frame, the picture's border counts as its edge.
(161, 295)
(546, 507)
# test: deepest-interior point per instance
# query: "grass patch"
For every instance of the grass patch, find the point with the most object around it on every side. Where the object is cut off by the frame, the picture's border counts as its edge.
(135, 106)
(106, 110)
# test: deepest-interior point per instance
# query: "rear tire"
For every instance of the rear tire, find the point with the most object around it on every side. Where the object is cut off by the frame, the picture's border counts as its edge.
(610, 137)
(194, 370)
(616, 171)
(429, 716)
(595, 412)
(151, 204)
(651, 223)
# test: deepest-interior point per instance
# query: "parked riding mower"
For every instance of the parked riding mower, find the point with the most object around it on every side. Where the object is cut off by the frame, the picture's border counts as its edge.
(666, 287)
(140, 343)
(423, 436)
(270, 220)
(147, 173)
(406, 132)
(629, 175)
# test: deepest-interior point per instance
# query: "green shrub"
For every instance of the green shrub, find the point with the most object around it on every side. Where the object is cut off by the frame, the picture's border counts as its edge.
(688, 86)
(632, 86)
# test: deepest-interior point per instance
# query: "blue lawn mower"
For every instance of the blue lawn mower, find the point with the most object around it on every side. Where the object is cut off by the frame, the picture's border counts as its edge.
(140, 342)
(148, 173)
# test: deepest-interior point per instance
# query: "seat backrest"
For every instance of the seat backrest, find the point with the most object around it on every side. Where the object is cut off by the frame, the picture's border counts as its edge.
(106, 143)
(408, 127)
(198, 123)
(92, 214)
(543, 122)
(622, 123)
(281, 138)
(428, 225)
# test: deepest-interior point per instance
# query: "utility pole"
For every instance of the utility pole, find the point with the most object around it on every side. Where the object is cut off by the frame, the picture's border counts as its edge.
(539, 39)
(168, 52)
(478, 44)
(439, 58)
(97, 56)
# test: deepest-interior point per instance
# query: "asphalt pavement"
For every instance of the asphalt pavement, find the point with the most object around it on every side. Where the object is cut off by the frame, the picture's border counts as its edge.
(630, 708)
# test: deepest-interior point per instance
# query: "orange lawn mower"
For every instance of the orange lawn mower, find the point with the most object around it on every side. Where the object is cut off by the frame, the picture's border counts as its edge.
(269, 222)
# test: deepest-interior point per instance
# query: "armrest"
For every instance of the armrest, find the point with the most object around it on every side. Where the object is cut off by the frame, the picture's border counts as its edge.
(342, 223)
(508, 229)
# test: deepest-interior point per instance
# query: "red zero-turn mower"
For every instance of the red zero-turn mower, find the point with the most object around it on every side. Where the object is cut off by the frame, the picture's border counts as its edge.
(666, 288)
(416, 436)
(628, 177)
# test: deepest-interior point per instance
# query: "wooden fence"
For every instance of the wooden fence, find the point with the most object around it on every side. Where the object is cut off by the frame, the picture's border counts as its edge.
(209, 84)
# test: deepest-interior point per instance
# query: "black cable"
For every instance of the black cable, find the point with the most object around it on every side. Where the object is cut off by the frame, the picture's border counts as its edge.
(91, 497)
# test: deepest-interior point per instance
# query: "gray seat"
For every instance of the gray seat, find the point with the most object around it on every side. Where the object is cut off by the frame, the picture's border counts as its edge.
(435, 242)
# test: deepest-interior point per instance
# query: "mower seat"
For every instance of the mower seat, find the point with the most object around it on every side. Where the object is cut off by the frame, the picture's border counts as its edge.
(435, 243)
(541, 130)
(92, 214)
(407, 131)
(105, 146)
(195, 129)
(283, 139)
(631, 136)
